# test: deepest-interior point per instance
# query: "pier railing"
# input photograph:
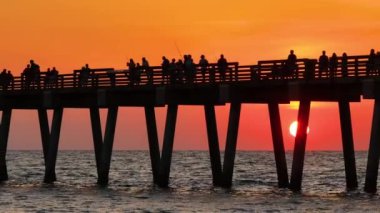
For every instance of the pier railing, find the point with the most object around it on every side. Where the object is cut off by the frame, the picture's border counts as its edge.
(265, 70)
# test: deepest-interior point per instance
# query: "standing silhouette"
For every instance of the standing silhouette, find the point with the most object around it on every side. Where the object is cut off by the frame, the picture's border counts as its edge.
(172, 70)
(3, 76)
(222, 67)
(323, 63)
(180, 72)
(131, 72)
(371, 64)
(164, 67)
(34, 74)
(147, 69)
(84, 75)
(333, 63)
(26, 78)
(203, 63)
(377, 64)
(9, 80)
(290, 65)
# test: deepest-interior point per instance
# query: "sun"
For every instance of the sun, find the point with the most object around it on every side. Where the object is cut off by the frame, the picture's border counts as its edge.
(293, 128)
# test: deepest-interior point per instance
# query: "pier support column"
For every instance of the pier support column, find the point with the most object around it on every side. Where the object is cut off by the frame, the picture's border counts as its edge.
(51, 158)
(300, 146)
(278, 145)
(213, 145)
(154, 149)
(373, 152)
(106, 151)
(348, 145)
(45, 133)
(96, 135)
(167, 148)
(4, 133)
(230, 151)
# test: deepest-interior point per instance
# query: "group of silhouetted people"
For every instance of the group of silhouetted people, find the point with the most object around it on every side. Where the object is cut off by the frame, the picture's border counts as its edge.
(135, 70)
(286, 69)
(186, 71)
(6, 79)
(373, 64)
(181, 71)
(328, 67)
(32, 77)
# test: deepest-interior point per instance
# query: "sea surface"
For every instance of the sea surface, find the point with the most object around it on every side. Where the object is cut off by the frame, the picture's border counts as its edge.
(131, 189)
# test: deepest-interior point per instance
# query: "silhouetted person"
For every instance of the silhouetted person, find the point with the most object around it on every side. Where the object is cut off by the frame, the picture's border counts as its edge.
(371, 64)
(180, 71)
(35, 74)
(131, 71)
(84, 75)
(203, 63)
(222, 67)
(164, 67)
(25, 77)
(323, 63)
(344, 65)
(333, 65)
(138, 72)
(148, 70)
(3, 76)
(377, 63)
(54, 77)
(9, 79)
(172, 70)
(190, 69)
(47, 78)
(290, 64)
(6, 79)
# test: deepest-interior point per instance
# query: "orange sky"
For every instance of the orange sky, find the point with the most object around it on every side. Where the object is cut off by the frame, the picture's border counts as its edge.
(68, 34)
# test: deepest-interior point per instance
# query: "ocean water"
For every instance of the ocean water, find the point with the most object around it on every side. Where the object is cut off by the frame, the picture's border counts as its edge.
(131, 189)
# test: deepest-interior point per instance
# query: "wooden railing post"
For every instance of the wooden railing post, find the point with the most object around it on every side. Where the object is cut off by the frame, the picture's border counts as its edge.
(356, 67)
(75, 78)
(237, 72)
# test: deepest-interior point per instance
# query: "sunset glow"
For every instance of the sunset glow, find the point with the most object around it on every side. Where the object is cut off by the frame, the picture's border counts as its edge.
(68, 34)
(294, 127)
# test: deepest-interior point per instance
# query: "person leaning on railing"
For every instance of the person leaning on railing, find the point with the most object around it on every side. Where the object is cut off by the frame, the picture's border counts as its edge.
(203, 64)
(189, 68)
(371, 63)
(148, 70)
(131, 71)
(84, 74)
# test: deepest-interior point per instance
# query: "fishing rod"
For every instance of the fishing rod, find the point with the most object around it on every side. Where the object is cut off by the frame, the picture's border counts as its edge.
(178, 50)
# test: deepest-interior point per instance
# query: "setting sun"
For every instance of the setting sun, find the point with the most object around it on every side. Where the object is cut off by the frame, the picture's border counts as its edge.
(293, 128)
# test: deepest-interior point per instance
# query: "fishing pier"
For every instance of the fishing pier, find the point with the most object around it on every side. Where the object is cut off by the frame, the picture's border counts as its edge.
(110, 89)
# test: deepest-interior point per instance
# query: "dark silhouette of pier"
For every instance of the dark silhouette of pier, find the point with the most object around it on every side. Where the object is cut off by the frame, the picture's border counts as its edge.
(272, 82)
